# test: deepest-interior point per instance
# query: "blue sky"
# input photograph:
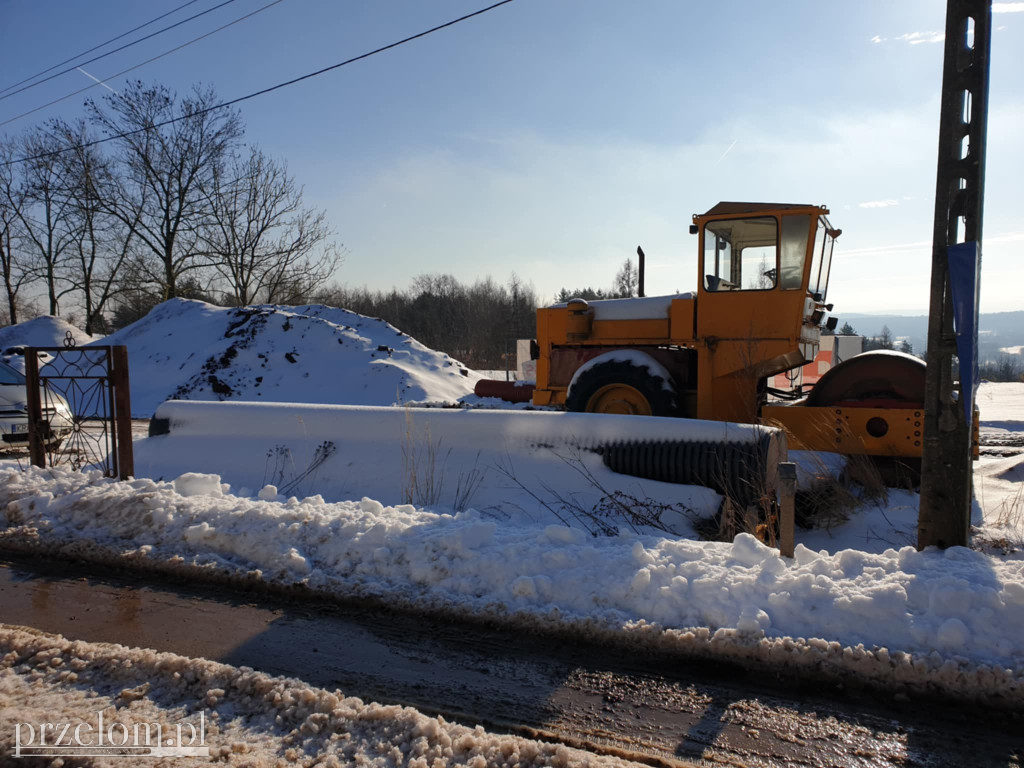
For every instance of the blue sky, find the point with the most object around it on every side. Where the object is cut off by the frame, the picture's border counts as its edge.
(550, 137)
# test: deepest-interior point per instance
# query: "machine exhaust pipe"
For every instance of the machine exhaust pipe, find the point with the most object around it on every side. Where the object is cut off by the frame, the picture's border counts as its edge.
(640, 272)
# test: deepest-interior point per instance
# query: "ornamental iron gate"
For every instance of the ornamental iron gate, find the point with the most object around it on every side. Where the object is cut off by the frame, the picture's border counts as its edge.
(79, 408)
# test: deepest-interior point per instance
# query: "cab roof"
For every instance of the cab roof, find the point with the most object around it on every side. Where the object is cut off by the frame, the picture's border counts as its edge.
(730, 209)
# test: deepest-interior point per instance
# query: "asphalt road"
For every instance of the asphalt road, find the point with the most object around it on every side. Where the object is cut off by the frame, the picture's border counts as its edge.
(657, 709)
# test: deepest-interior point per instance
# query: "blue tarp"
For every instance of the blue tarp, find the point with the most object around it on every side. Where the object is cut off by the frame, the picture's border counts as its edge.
(965, 279)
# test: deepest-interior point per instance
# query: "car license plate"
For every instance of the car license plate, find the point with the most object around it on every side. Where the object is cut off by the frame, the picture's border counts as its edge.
(19, 428)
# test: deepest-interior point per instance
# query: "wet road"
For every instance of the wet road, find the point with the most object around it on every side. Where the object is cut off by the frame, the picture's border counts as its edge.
(646, 707)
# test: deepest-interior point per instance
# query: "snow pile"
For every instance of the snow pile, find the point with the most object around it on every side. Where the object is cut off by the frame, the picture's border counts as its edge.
(191, 350)
(250, 718)
(953, 618)
(44, 331)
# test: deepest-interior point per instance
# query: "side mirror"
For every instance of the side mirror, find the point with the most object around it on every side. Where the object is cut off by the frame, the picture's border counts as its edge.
(694, 229)
(831, 323)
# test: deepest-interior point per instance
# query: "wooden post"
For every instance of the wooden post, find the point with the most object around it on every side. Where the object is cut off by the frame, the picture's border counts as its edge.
(36, 441)
(787, 508)
(122, 412)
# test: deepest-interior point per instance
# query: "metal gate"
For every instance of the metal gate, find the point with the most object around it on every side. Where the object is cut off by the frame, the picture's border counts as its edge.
(79, 408)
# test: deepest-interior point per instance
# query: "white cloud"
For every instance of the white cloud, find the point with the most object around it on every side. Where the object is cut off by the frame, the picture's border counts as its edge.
(877, 39)
(879, 203)
(916, 38)
(1007, 7)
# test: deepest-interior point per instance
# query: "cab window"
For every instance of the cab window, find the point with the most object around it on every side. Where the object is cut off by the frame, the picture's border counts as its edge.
(795, 231)
(742, 254)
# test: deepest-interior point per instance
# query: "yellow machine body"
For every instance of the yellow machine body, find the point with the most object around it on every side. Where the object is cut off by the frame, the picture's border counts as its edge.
(756, 312)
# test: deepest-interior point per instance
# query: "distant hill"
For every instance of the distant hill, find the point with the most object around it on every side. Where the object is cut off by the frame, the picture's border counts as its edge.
(997, 330)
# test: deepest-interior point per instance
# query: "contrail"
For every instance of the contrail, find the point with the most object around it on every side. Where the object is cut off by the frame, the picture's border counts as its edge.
(726, 151)
(97, 80)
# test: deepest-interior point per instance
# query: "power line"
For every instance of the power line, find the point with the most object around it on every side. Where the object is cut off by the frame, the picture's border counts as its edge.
(97, 47)
(108, 53)
(253, 95)
(144, 63)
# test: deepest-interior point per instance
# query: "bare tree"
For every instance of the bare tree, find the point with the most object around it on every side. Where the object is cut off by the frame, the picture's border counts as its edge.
(43, 212)
(100, 242)
(627, 280)
(260, 239)
(15, 271)
(164, 167)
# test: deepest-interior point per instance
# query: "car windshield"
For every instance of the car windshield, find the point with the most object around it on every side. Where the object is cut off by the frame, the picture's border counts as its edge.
(9, 375)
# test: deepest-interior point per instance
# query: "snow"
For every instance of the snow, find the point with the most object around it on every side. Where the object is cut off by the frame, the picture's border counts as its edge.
(43, 331)
(250, 718)
(191, 350)
(949, 619)
(511, 465)
(646, 308)
(635, 358)
(999, 479)
(247, 495)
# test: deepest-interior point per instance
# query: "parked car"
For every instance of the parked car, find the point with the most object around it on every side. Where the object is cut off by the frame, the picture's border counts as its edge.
(15, 357)
(57, 417)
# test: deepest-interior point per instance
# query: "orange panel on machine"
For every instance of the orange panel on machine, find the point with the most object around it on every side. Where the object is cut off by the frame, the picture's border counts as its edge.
(751, 314)
(682, 319)
(631, 330)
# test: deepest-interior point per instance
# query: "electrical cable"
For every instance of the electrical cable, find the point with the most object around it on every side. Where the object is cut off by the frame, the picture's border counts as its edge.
(100, 81)
(108, 53)
(97, 47)
(253, 95)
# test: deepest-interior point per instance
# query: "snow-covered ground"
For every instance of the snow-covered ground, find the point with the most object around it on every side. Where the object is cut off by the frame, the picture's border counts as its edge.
(999, 473)
(949, 619)
(245, 718)
(857, 598)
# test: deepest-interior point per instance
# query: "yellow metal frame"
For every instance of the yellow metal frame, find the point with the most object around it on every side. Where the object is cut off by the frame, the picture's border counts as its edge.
(845, 430)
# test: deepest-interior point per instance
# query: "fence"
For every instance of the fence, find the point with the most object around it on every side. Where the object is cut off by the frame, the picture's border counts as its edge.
(79, 407)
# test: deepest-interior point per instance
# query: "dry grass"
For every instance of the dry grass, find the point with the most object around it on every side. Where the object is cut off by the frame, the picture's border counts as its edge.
(612, 509)
(1010, 519)
(423, 470)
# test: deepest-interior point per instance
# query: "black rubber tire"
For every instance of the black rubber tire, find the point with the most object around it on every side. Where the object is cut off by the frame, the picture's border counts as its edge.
(662, 401)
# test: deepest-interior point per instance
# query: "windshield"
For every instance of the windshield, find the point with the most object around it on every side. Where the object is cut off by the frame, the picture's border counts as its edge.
(824, 242)
(9, 375)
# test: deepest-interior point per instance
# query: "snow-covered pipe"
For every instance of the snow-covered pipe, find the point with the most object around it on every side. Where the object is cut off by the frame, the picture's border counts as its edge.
(374, 448)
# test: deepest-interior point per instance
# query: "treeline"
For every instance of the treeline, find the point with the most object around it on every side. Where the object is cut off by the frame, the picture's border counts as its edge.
(172, 204)
(477, 324)
(884, 340)
(1006, 368)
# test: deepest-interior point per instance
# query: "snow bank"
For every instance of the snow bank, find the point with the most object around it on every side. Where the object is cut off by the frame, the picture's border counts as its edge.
(251, 718)
(950, 619)
(191, 350)
(44, 331)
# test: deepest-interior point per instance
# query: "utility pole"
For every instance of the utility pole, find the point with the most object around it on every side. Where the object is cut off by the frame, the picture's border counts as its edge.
(946, 488)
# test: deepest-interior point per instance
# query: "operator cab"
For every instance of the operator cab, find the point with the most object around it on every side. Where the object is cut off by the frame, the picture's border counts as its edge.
(766, 247)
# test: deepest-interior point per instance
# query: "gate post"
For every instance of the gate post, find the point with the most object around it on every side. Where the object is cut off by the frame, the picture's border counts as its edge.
(36, 444)
(122, 412)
